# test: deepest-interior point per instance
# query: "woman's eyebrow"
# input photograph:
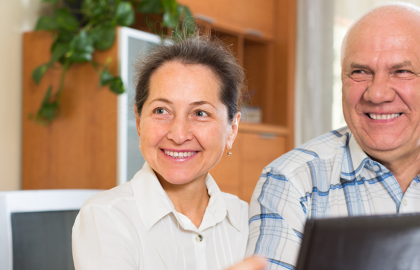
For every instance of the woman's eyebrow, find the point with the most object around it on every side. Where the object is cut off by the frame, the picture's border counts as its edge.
(202, 102)
(162, 100)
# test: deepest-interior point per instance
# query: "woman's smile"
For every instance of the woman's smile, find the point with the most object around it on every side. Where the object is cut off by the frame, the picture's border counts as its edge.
(179, 155)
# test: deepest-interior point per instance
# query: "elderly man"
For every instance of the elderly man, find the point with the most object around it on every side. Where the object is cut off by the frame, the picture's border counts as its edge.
(371, 166)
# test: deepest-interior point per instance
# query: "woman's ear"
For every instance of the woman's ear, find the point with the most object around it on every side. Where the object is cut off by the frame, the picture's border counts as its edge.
(234, 126)
(137, 120)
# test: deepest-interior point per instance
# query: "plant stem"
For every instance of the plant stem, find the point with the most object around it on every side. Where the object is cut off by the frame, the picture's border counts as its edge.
(63, 76)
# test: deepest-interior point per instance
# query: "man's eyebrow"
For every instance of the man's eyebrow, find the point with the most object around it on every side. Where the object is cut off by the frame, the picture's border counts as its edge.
(401, 65)
(356, 65)
(202, 102)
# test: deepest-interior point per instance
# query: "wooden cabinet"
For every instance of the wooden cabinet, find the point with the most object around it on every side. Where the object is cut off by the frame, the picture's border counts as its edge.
(254, 148)
(242, 16)
(79, 150)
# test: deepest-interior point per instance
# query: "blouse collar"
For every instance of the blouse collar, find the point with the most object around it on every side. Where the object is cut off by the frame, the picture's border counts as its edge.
(153, 203)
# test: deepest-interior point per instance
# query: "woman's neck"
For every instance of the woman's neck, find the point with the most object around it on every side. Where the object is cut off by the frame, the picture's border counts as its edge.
(190, 199)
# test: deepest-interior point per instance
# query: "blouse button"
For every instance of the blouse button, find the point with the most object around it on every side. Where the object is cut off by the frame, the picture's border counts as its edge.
(199, 238)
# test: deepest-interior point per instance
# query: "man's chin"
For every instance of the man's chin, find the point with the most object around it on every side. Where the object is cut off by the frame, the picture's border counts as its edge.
(380, 143)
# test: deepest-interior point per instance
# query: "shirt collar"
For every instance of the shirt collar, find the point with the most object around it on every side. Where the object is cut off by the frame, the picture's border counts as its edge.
(354, 158)
(153, 203)
(218, 209)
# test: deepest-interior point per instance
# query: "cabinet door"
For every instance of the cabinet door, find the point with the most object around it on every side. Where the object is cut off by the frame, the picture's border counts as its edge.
(78, 150)
(258, 150)
(227, 172)
(254, 15)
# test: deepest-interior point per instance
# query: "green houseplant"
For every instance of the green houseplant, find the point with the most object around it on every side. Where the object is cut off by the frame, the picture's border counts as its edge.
(80, 27)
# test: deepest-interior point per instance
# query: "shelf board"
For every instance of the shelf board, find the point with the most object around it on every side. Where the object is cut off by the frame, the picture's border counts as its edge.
(264, 128)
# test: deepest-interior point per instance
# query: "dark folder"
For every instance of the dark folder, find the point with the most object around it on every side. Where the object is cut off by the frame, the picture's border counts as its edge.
(367, 242)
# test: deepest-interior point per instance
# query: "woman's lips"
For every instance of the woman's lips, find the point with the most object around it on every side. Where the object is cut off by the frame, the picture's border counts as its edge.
(180, 155)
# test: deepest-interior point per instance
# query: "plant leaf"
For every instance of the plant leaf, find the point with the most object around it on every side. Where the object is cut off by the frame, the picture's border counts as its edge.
(116, 85)
(66, 20)
(103, 36)
(124, 15)
(150, 6)
(106, 77)
(169, 6)
(49, 109)
(39, 72)
(170, 20)
(93, 8)
(46, 23)
(188, 21)
(51, 1)
(81, 48)
(58, 50)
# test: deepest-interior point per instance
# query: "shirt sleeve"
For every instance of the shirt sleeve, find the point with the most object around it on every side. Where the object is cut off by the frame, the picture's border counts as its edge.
(277, 218)
(101, 242)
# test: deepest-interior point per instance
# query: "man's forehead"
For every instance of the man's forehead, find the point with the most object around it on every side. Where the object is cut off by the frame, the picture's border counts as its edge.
(387, 28)
(370, 44)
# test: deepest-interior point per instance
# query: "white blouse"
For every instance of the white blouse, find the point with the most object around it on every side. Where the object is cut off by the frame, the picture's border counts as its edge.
(135, 226)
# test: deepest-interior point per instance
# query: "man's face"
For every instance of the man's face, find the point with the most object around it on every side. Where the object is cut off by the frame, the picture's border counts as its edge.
(381, 88)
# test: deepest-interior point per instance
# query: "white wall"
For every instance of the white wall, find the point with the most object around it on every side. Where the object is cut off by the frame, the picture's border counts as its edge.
(17, 16)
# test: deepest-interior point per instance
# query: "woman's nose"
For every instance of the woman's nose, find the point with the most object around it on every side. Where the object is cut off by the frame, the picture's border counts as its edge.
(380, 90)
(179, 131)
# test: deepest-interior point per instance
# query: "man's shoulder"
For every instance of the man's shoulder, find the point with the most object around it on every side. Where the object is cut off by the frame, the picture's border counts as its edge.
(323, 148)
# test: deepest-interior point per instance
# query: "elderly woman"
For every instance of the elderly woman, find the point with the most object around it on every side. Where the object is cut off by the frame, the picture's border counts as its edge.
(172, 214)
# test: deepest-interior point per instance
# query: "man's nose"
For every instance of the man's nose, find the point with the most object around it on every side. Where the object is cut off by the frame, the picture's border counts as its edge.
(179, 131)
(380, 90)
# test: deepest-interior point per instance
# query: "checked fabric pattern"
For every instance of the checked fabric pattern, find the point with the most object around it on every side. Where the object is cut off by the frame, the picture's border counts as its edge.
(330, 176)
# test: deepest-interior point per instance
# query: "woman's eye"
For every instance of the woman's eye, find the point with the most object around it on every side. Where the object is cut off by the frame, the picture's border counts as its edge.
(201, 113)
(161, 111)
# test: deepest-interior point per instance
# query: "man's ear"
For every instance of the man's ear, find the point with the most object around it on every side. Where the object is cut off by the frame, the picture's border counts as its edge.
(234, 127)
(137, 120)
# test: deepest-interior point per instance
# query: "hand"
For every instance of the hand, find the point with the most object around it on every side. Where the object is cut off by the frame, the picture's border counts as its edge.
(252, 263)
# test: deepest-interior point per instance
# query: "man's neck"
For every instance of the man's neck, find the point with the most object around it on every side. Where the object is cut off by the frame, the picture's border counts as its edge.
(404, 167)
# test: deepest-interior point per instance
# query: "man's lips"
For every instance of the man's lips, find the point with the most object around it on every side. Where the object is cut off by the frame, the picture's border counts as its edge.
(383, 116)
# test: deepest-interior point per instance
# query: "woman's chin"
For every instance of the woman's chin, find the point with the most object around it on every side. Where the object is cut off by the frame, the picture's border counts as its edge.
(180, 178)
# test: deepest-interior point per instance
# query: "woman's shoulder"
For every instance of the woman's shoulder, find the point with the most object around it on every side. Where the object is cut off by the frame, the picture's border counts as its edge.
(112, 196)
(237, 208)
(234, 201)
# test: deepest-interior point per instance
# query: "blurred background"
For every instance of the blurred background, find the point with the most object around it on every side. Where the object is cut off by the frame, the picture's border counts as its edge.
(290, 50)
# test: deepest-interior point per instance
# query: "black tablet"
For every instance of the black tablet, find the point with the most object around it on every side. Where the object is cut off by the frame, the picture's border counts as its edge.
(367, 242)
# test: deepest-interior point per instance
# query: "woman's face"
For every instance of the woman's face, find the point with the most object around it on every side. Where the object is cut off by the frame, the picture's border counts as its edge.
(183, 127)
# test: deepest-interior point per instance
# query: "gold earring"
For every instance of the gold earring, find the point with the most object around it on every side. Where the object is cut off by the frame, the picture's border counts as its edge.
(229, 153)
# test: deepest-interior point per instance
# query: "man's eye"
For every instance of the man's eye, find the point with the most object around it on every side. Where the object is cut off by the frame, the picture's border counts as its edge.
(360, 75)
(161, 111)
(201, 113)
(403, 74)
(358, 72)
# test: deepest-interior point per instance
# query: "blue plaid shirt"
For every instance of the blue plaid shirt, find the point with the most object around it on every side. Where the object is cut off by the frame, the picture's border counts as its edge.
(330, 176)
